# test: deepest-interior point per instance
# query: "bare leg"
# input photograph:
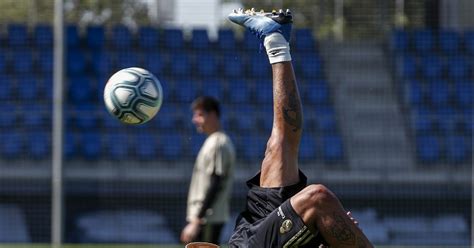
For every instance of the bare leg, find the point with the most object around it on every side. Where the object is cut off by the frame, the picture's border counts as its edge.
(321, 210)
(280, 165)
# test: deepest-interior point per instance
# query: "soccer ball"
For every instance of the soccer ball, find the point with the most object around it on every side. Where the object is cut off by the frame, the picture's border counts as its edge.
(133, 95)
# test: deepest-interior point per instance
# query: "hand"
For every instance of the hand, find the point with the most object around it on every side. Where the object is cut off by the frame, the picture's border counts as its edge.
(191, 231)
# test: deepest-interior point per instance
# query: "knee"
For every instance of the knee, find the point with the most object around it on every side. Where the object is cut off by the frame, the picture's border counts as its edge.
(317, 195)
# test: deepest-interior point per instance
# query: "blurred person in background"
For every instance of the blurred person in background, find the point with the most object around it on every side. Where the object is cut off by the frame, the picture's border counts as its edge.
(281, 210)
(210, 190)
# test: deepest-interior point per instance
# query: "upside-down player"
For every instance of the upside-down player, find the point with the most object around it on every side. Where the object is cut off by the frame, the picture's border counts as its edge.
(282, 211)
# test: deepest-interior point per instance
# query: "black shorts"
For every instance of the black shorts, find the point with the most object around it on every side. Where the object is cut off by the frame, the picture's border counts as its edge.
(270, 221)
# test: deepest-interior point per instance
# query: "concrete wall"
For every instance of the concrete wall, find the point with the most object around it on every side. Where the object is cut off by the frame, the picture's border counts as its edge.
(457, 14)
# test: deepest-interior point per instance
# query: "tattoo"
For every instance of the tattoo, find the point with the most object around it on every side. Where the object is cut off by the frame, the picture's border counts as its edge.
(292, 112)
(342, 232)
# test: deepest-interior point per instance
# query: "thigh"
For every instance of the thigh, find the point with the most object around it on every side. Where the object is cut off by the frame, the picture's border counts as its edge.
(281, 228)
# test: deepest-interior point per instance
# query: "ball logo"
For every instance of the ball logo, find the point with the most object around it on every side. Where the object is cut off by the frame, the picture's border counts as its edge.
(286, 226)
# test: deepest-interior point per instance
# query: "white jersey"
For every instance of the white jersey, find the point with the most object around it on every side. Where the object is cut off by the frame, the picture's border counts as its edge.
(217, 156)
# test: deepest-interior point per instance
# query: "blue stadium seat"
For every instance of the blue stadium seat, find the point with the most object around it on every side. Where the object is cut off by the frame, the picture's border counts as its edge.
(439, 93)
(400, 41)
(70, 145)
(423, 41)
(121, 37)
(332, 148)
(213, 87)
(232, 65)
(12, 144)
(184, 90)
(86, 117)
(126, 58)
(449, 41)
(252, 147)
(264, 118)
(146, 146)
(154, 62)
(327, 123)
(445, 115)
(414, 92)
(428, 148)
(422, 124)
(243, 118)
(45, 62)
(9, 117)
(250, 41)
(467, 124)
(47, 85)
(303, 40)
(22, 61)
(423, 110)
(408, 66)
(36, 116)
(258, 66)
(117, 146)
(43, 36)
(196, 142)
(316, 92)
(17, 35)
(148, 38)
(226, 39)
(103, 63)
(310, 66)
(95, 37)
(80, 90)
(310, 123)
(238, 91)
(7, 87)
(90, 145)
(458, 68)
(180, 64)
(171, 146)
(199, 39)
(432, 67)
(39, 145)
(72, 36)
(458, 149)
(308, 148)
(464, 93)
(206, 64)
(28, 88)
(167, 118)
(469, 42)
(263, 93)
(108, 121)
(3, 62)
(173, 38)
(75, 62)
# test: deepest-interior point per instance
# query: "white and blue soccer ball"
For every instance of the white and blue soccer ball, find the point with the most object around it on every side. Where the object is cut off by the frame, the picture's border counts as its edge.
(133, 95)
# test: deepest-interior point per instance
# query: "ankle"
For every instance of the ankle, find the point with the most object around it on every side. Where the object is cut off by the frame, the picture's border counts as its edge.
(278, 49)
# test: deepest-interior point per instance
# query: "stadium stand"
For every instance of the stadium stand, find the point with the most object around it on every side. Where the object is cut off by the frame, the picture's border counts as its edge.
(124, 226)
(234, 76)
(437, 81)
